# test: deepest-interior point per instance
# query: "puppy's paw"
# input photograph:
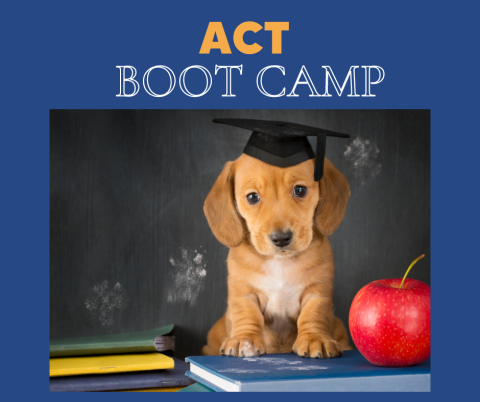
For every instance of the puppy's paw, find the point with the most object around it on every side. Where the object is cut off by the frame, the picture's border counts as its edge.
(243, 346)
(316, 346)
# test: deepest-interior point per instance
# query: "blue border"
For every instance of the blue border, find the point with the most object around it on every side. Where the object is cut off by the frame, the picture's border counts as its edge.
(63, 55)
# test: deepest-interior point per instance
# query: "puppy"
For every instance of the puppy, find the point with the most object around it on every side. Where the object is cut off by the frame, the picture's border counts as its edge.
(280, 265)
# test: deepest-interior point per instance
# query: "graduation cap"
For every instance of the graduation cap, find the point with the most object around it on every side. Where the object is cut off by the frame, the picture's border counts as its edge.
(284, 144)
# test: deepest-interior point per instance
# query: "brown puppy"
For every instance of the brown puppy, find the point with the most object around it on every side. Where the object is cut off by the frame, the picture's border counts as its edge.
(280, 265)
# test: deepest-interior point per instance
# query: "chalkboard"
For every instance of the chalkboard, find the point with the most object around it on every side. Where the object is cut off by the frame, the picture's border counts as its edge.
(129, 244)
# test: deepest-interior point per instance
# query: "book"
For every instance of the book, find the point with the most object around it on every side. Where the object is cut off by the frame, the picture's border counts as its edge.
(174, 389)
(62, 366)
(154, 340)
(124, 381)
(197, 387)
(289, 372)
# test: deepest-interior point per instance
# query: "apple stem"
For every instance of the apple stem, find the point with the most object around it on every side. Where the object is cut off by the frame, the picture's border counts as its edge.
(410, 267)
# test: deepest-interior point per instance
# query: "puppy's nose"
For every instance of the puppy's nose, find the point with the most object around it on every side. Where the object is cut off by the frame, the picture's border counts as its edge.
(281, 239)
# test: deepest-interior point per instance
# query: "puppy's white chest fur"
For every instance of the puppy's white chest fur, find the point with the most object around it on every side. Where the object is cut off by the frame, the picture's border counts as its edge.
(281, 288)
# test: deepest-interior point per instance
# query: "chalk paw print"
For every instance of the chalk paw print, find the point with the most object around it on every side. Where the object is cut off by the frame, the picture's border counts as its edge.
(363, 156)
(189, 276)
(104, 301)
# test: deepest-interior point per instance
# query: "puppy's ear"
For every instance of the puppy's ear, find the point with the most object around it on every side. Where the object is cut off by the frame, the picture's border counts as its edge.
(334, 194)
(220, 209)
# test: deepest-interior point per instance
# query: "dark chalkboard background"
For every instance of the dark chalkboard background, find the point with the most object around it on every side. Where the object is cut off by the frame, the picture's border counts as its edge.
(131, 249)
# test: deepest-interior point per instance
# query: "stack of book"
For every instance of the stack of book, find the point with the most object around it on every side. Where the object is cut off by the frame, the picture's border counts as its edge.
(289, 372)
(124, 362)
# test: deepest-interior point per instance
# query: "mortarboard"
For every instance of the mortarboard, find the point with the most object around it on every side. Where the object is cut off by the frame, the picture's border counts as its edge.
(284, 144)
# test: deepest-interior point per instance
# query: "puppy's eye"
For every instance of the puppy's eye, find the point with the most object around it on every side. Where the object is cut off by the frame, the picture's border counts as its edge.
(253, 198)
(300, 191)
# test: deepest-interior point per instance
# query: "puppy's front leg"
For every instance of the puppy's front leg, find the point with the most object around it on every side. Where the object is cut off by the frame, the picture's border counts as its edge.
(246, 322)
(315, 324)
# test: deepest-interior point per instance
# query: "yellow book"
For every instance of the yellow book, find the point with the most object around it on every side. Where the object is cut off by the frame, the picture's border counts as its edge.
(109, 364)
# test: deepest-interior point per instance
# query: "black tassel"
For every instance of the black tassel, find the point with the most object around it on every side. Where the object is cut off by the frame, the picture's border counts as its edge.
(320, 156)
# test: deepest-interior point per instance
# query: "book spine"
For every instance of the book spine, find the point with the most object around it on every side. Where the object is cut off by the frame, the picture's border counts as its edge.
(101, 349)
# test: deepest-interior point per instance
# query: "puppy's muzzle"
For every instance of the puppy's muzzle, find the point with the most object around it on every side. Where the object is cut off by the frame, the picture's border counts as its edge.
(281, 239)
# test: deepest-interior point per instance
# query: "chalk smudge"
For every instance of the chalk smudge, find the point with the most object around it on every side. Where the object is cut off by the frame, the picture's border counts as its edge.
(278, 364)
(363, 156)
(267, 360)
(104, 301)
(303, 368)
(189, 277)
(234, 370)
(281, 364)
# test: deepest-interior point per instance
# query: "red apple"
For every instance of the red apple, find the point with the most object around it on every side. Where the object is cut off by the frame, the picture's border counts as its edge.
(390, 322)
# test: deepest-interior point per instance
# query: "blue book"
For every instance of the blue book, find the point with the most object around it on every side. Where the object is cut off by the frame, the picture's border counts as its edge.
(122, 381)
(197, 387)
(289, 372)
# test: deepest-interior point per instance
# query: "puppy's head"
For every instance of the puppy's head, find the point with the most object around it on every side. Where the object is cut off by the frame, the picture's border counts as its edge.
(276, 209)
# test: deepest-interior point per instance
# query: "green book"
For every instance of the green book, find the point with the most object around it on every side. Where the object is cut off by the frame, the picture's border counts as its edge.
(197, 387)
(154, 340)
